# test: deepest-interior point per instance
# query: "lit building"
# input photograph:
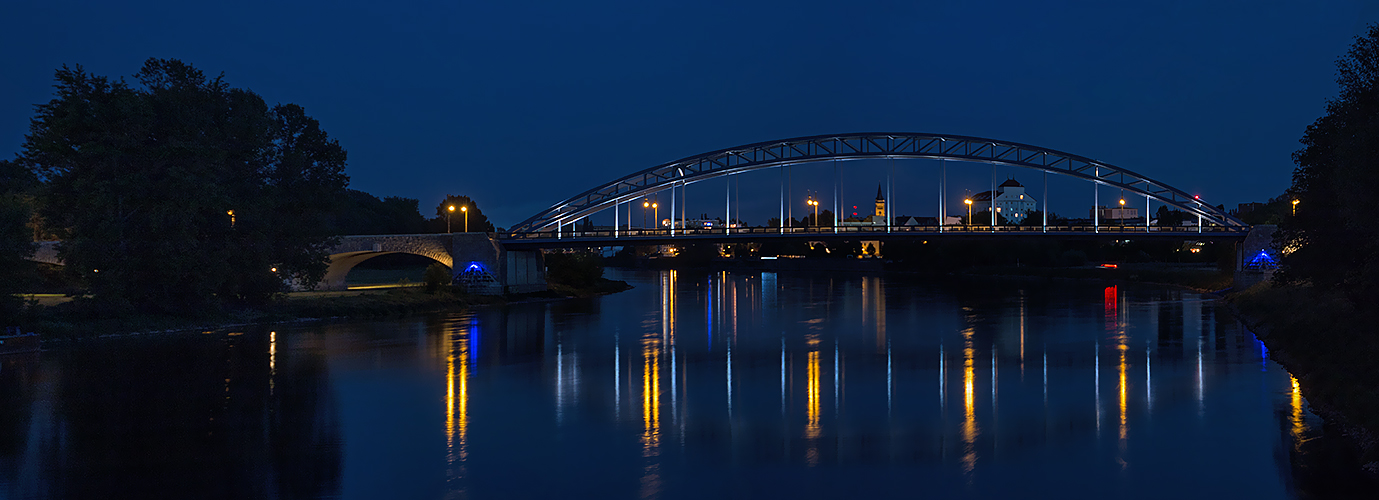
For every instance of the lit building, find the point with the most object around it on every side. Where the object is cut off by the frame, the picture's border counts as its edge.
(876, 219)
(1011, 201)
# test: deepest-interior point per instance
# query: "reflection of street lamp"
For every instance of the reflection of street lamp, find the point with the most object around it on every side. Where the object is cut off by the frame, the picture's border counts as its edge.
(1295, 208)
(816, 210)
(447, 218)
(969, 210)
(465, 209)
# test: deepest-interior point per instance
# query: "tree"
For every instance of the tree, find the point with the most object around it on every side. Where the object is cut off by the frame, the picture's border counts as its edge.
(182, 194)
(16, 243)
(1333, 241)
(983, 218)
(1036, 218)
(825, 219)
(1170, 217)
(478, 222)
(362, 213)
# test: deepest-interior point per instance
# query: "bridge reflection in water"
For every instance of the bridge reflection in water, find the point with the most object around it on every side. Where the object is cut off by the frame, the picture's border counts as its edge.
(714, 375)
(713, 345)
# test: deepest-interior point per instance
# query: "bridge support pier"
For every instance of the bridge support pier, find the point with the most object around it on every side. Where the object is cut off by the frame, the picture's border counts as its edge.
(483, 266)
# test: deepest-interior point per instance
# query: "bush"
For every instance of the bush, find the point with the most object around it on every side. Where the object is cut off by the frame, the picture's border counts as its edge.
(576, 269)
(437, 277)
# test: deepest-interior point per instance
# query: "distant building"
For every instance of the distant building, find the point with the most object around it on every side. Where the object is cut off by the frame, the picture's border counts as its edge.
(876, 219)
(1117, 213)
(1011, 201)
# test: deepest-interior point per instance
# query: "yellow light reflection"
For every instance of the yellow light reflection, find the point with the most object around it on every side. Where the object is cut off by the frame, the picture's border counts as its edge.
(457, 404)
(1299, 426)
(812, 429)
(272, 359)
(970, 431)
(1122, 395)
(651, 415)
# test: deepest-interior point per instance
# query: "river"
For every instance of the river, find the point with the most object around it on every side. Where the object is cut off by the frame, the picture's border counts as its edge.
(692, 385)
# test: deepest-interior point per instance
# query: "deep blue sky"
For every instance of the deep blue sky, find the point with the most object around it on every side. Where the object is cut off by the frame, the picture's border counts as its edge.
(522, 104)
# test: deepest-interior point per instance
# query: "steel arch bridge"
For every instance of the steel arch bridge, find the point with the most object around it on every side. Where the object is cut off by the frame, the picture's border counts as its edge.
(820, 148)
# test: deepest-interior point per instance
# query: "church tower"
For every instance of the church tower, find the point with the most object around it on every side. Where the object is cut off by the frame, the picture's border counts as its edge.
(880, 202)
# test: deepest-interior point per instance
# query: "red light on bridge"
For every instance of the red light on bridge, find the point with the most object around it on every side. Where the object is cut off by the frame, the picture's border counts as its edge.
(1196, 196)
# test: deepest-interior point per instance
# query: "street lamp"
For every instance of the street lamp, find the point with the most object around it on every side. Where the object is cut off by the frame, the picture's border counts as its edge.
(969, 210)
(816, 210)
(1295, 208)
(447, 218)
(645, 205)
(465, 209)
(1122, 211)
(656, 214)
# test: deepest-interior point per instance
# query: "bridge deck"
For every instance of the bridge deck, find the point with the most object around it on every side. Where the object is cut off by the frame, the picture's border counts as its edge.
(608, 237)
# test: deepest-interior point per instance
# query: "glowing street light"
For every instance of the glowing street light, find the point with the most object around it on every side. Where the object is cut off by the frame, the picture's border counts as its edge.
(815, 203)
(1295, 208)
(447, 218)
(969, 210)
(465, 209)
(655, 213)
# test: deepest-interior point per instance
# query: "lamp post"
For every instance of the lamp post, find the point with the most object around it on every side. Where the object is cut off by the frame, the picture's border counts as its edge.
(1295, 208)
(815, 203)
(969, 210)
(447, 218)
(1122, 211)
(656, 214)
(465, 209)
(645, 205)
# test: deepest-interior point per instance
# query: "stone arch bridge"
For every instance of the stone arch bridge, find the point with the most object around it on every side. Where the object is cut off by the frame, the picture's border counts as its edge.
(484, 266)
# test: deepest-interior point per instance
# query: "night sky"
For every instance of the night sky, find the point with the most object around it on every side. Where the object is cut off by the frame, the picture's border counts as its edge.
(523, 104)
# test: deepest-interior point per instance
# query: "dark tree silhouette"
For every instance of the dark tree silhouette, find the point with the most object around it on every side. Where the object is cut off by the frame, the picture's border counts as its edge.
(1333, 241)
(478, 222)
(182, 193)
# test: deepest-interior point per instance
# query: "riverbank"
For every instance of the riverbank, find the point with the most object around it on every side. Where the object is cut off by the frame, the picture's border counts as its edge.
(1332, 351)
(75, 320)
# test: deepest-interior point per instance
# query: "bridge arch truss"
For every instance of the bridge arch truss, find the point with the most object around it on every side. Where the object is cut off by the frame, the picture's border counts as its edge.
(821, 148)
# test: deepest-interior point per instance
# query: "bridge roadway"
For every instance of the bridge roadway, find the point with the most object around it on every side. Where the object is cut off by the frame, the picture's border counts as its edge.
(609, 237)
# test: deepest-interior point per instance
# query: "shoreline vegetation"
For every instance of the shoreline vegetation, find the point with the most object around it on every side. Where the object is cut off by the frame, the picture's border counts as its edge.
(74, 321)
(1314, 336)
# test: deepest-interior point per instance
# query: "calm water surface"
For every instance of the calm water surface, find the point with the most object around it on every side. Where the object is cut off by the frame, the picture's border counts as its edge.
(692, 385)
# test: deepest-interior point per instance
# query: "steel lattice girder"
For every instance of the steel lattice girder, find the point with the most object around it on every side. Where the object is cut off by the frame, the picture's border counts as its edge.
(863, 146)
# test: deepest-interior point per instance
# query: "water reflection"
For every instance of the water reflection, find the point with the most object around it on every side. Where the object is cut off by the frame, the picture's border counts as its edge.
(457, 363)
(651, 416)
(290, 412)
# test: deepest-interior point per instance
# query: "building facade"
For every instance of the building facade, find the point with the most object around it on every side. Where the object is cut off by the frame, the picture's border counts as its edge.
(1011, 201)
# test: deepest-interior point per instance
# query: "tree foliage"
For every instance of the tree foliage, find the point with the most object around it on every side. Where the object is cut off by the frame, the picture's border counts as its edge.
(1333, 241)
(181, 192)
(16, 243)
(363, 213)
(478, 222)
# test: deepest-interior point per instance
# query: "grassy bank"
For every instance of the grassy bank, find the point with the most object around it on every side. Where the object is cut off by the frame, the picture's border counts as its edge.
(1198, 277)
(1330, 348)
(77, 319)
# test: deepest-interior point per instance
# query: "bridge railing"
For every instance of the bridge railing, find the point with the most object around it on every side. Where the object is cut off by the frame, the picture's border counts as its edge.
(867, 231)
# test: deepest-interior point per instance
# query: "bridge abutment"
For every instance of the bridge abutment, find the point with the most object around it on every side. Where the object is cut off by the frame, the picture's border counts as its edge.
(478, 262)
